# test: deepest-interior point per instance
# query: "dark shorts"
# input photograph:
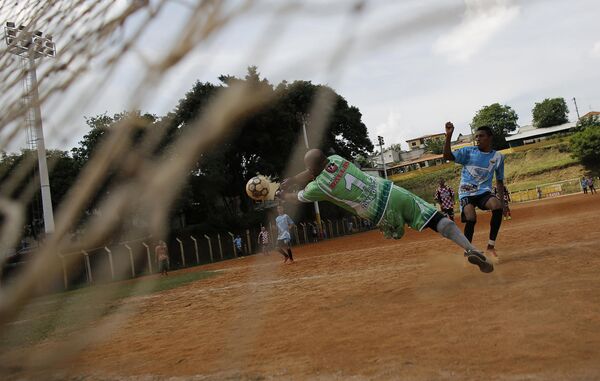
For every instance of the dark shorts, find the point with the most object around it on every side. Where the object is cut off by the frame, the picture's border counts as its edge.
(449, 211)
(163, 265)
(434, 220)
(283, 242)
(478, 201)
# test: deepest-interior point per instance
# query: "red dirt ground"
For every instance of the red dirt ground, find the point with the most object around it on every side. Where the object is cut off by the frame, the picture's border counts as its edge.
(362, 307)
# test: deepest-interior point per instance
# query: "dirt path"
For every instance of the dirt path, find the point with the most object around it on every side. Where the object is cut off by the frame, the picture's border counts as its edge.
(363, 307)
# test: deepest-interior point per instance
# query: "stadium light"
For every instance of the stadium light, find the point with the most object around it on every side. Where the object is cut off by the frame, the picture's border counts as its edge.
(30, 46)
(380, 140)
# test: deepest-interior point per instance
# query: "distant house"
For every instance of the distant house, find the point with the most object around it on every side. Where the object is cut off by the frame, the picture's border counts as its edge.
(462, 141)
(413, 154)
(389, 156)
(420, 141)
(591, 113)
(375, 172)
(531, 134)
(427, 160)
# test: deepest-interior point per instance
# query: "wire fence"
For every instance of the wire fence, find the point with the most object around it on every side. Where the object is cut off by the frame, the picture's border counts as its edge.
(555, 189)
(106, 263)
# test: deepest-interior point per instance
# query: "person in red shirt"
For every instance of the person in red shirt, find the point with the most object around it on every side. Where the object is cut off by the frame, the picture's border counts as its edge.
(162, 257)
(445, 196)
(263, 240)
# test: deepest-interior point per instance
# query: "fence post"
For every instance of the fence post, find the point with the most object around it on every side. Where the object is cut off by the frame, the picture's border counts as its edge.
(110, 261)
(330, 229)
(131, 260)
(344, 226)
(272, 233)
(149, 258)
(233, 244)
(296, 234)
(304, 229)
(249, 242)
(196, 249)
(64, 268)
(337, 227)
(181, 251)
(209, 248)
(220, 246)
(88, 266)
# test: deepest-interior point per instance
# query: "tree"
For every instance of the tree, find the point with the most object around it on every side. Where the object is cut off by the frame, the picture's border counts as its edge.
(550, 112)
(501, 119)
(588, 121)
(585, 145)
(363, 162)
(396, 147)
(62, 174)
(435, 146)
(262, 142)
(100, 124)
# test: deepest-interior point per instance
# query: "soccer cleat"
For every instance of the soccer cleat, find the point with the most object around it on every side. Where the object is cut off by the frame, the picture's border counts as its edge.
(477, 258)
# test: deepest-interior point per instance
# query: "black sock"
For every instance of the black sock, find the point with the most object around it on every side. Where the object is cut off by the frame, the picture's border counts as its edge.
(290, 254)
(469, 230)
(495, 223)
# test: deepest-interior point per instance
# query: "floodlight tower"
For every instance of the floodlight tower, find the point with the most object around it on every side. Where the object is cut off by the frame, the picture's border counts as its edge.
(30, 46)
(381, 143)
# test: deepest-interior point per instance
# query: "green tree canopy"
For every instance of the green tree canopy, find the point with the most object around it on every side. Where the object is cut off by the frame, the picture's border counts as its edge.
(550, 112)
(261, 142)
(585, 145)
(435, 146)
(502, 119)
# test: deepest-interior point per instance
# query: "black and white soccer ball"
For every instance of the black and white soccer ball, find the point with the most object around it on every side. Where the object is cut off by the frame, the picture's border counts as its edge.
(257, 188)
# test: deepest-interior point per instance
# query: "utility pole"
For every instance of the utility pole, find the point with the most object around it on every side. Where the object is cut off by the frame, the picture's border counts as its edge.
(30, 46)
(380, 139)
(576, 109)
(316, 203)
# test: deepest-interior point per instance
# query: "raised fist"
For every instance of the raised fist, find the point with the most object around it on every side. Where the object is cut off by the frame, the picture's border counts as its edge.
(449, 128)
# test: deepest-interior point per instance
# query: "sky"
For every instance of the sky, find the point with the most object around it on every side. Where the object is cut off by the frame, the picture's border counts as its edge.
(409, 66)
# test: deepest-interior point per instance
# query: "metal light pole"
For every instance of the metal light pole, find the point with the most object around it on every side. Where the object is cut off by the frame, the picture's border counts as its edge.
(317, 212)
(576, 109)
(380, 139)
(30, 46)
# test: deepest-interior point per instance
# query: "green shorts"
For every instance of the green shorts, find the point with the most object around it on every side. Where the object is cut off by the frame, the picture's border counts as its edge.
(403, 207)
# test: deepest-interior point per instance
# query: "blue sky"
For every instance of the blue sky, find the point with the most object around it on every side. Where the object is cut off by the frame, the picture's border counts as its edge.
(409, 66)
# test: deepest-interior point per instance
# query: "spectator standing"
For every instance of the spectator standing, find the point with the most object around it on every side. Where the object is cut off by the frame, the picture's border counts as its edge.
(237, 241)
(584, 185)
(445, 196)
(590, 184)
(263, 240)
(162, 257)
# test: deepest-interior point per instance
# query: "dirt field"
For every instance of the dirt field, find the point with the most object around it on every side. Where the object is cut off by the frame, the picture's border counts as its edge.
(363, 307)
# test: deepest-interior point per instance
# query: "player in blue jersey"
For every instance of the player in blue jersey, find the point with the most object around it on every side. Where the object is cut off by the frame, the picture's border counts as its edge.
(480, 164)
(284, 224)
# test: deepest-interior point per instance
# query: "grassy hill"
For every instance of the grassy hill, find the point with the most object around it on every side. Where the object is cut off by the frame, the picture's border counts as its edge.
(529, 166)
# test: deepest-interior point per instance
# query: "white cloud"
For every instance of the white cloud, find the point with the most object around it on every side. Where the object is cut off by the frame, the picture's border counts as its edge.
(596, 50)
(481, 21)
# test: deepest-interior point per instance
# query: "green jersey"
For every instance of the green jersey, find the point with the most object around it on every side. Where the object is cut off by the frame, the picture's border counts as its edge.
(373, 198)
(344, 185)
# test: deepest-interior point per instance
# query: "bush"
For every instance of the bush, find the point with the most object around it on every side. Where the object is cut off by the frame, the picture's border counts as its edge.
(585, 145)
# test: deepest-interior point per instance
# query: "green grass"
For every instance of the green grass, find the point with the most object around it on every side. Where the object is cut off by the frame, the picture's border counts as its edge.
(61, 314)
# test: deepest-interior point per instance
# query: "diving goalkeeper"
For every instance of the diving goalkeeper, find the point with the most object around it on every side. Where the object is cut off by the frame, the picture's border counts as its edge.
(340, 182)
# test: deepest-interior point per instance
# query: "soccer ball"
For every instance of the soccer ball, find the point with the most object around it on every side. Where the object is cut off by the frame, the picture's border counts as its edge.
(257, 188)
